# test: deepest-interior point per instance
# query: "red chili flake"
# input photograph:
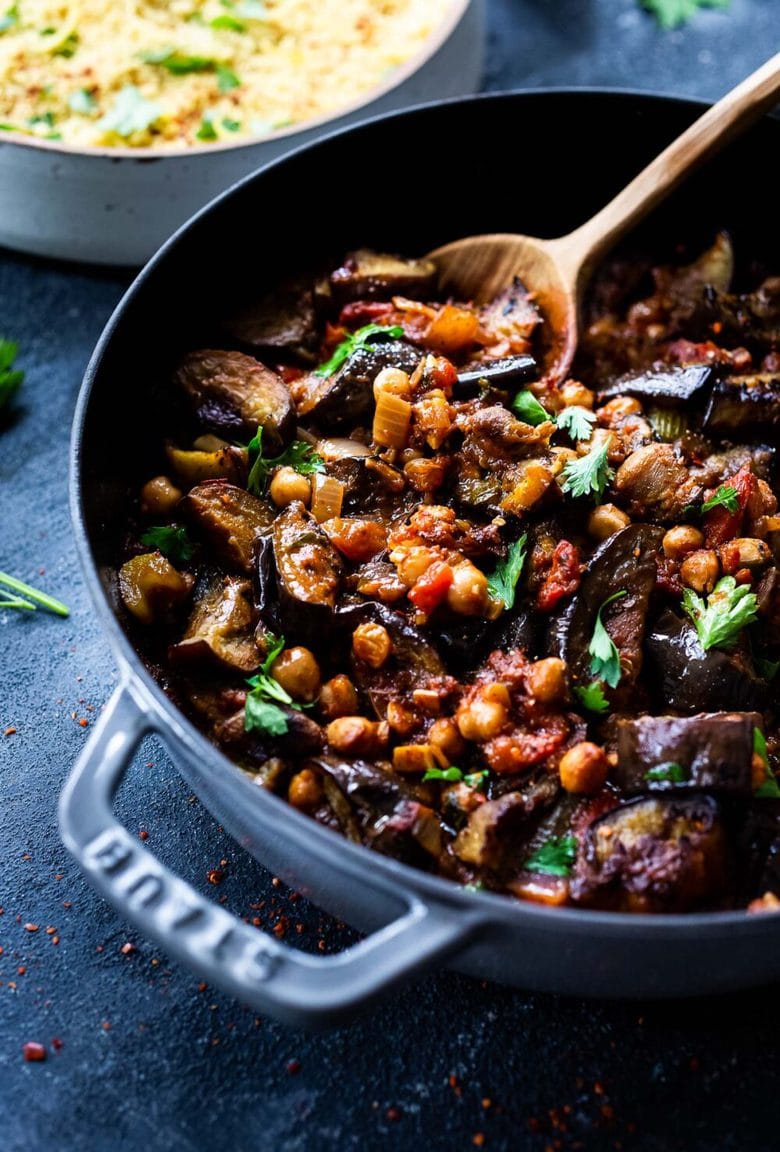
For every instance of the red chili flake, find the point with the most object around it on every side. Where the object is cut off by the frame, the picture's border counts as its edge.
(275, 881)
(55, 939)
(487, 1102)
(293, 1066)
(50, 931)
(27, 856)
(106, 1025)
(21, 970)
(33, 1051)
(598, 1088)
(202, 986)
(143, 834)
(478, 1139)
(1, 950)
(57, 1044)
(31, 927)
(58, 876)
(127, 949)
(84, 722)
(10, 732)
(393, 1114)
(215, 876)
(98, 947)
(67, 904)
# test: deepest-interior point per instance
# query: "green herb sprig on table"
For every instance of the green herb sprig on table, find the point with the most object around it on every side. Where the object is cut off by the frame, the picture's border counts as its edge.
(10, 378)
(673, 13)
(28, 598)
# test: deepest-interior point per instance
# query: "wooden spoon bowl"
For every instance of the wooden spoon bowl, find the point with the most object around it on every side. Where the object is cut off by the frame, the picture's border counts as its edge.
(557, 271)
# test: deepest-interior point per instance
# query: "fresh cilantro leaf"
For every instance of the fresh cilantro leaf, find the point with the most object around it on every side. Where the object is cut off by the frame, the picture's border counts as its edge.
(262, 716)
(452, 774)
(476, 780)
(9, 18)
(30, 594)
(231, 125)
(82, 101)
(227, 23)
(10, 378)
(555, 857)
(725, 497)
(729, 608)
(588, 474)
(130, 113)
(226, 80)
(274, 648)
(172, 540)
(206, 131)
(46, 119)
(605, 658)
(759, 745)
(502, 585)
(530, 411)
(353, 342)
(670, 773)
(577, 421)
(769, 790)
(298, 455)
(179, 63)
(673, 13)
(68, 46)
(591, 696)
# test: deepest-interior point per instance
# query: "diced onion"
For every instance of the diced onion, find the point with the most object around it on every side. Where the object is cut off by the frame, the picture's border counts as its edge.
(326, 497)
(391, 420)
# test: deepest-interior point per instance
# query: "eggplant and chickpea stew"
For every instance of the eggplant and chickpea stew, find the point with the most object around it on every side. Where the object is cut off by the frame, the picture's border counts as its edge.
(520, 635)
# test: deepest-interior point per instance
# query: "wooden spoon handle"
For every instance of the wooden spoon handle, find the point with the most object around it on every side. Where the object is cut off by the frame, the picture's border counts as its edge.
(707, 135)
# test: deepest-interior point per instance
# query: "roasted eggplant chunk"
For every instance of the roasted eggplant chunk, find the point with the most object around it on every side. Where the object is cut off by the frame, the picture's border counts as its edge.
(221, 628)
(229, 518)
(507, 372)
(689, 679)
(283, 320)
(369, 275)
(308, 572)
(745, 404)
(712, 750)
(233, 394)
(303, 737)
(652, 855)
(672, 385)
(653, 483)
(341, 401)
(752, 318)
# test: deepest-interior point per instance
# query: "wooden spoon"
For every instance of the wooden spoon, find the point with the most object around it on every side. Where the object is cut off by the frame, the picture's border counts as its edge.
(557, 271)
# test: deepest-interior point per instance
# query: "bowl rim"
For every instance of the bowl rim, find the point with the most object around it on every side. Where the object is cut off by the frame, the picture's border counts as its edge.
(394, 79)
(173, 721)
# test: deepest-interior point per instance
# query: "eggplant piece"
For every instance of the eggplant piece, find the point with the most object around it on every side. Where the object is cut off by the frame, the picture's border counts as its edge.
(624, 562)
(387, 813)
(712, 750)
(744, 403)
(674, 385)
(511, 315)
(717, 467)
(491, 832)
(233, 394)
(303, 737)
(757, 849)
(509, 371)
(656, 485)
(466, 643)
(230, 518)
(369, 275)
(684, 288)
(652, 855)
(688, 679)
(346, 398)
(308, 573)
(283, 320)
(368, 484)
(221, 628)
(752, 318)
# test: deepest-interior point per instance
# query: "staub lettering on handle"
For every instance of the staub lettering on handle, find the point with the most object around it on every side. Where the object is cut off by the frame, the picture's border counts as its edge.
(207, 933)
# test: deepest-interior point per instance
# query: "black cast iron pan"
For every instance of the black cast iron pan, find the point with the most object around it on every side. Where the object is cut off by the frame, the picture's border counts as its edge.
(536, 162)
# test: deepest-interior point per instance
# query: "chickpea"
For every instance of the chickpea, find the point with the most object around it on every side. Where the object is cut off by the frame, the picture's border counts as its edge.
(747, 552)
(547, 680)
(483, 715)
(605, 520)
(305, 790)
(338, 697)
(700, 570)
(159, 496)
(298, 672)
(619, 408)
(412, 563)
(357, 736)
(403, 721)
(573, 392)
(681, 540)
(288, 485)
(583, 768)
(392, 380)
(468, 594)
(371, 643)
(445, 736)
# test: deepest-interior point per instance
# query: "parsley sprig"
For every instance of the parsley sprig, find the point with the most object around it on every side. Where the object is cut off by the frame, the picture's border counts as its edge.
(10, 378)
(172, 540)
(730, 607)
(179, 63)
(262, 712)
(588, 474)
(591, 696)
(769, 790)
(528, 409)
(725, 497)
(577, 421)
(502, 584)
(358, 339)
(298, 455)
(28, 598)
(671, 773)
(555, 857)
(605, 657)
(453, 775)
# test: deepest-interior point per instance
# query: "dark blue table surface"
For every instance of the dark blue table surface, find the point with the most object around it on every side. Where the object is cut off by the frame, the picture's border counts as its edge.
(140, 1055)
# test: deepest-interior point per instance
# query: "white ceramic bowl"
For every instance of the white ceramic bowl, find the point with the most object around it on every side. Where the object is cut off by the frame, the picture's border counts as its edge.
(116, 206)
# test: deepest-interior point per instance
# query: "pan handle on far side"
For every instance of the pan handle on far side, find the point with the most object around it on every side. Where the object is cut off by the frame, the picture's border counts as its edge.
(273, 978)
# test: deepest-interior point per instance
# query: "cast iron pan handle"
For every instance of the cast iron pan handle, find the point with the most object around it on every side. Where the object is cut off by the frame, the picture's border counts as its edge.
(293, 986)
